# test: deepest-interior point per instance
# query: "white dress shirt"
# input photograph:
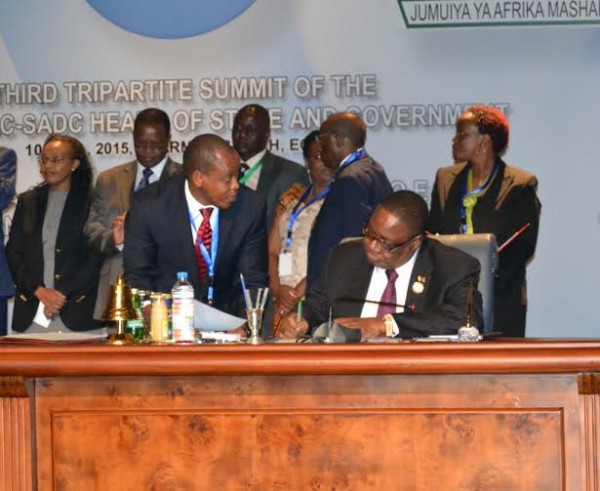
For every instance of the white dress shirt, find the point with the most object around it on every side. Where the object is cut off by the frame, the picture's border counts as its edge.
(252, 181)
(378, 283)
(156, 172)
(194, 207)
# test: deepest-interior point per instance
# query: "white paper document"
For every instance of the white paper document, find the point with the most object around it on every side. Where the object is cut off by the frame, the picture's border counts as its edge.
(58, 336)
(207, 318)
(40, 318)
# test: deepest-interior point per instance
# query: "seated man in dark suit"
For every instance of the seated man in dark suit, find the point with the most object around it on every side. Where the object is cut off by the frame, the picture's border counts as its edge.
(268, 174)
(202, 222)
(368, 281)
(359, 185)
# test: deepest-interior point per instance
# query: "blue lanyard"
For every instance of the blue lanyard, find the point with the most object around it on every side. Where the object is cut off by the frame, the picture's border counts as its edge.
(297, 210)
(211, 259)
(354, 156)
(483, 187)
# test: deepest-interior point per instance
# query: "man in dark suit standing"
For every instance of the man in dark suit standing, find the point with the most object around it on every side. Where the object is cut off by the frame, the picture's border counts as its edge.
(359, 185)
(268, 174)
(202, 222)
(8, 176)
(114, 188)
(394, 281)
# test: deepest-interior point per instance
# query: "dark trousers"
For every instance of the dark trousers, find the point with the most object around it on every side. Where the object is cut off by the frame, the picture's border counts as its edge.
(3, 315)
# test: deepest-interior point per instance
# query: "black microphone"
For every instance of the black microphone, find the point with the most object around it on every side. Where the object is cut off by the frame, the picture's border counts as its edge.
(470, 303)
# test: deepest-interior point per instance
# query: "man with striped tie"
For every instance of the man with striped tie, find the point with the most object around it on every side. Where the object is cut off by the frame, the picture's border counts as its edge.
(203, 222)
(114, 187)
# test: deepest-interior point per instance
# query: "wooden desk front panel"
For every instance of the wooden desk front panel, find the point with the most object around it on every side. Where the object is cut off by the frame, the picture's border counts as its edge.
(363, 432)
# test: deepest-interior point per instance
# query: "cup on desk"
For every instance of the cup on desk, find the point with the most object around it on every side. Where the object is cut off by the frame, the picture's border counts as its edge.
(255, 318)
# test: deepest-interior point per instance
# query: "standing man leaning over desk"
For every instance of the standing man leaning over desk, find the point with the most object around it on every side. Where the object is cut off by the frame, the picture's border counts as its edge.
(359, 184)
(268, 174)
(202, 222)
(114, 188)
(393, 265)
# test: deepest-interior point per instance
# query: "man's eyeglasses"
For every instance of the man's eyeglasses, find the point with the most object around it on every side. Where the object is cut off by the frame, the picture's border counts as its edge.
(43, 160)
(386, 246)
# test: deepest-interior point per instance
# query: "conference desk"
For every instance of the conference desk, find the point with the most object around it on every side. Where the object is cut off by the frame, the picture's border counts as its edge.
(498, 415)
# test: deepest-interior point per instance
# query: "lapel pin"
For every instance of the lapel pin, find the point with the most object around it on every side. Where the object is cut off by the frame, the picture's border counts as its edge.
(419, 285)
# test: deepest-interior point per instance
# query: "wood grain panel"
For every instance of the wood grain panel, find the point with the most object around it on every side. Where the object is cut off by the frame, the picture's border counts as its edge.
(476, 432)
(589, 389)
(362, 451)
(15, 433)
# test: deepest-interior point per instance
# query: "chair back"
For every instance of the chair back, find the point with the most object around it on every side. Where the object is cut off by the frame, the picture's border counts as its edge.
(484, 248)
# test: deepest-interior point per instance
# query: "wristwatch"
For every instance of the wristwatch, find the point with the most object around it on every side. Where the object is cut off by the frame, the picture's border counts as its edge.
(391, 328)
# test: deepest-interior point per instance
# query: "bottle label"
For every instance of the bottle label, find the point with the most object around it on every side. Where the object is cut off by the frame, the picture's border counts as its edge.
(183, 319)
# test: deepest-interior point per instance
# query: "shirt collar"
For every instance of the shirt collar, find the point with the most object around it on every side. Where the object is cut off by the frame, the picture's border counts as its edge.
(349, 155)
(156, 170)
(256, 158)
(406, 267)
(193, 204)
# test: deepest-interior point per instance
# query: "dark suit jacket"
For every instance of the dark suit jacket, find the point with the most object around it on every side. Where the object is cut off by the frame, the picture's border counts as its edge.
(276, 176)
(114, 188)
(8, 175)
(76, 265)
(440, 308)
(509, 203)
(158, 244)
(354, 194)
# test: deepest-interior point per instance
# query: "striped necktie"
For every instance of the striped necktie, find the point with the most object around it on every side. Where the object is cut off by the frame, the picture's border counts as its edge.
(145, 180)
(204, 235)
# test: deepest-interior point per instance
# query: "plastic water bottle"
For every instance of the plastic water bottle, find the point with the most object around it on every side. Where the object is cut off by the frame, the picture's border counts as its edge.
(183, 309)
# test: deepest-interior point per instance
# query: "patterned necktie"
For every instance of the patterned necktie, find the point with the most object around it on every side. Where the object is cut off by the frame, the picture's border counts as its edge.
(204, 234)
(243, 169)
(389, 294)
(145, 180)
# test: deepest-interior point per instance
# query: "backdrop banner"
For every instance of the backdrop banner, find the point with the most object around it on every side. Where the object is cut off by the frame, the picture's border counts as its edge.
(408, 67)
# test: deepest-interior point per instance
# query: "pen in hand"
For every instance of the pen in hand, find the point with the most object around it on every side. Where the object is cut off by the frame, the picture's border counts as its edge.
(299, 311)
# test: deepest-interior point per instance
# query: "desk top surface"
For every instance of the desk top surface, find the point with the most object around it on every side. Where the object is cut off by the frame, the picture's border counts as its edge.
(498, 356)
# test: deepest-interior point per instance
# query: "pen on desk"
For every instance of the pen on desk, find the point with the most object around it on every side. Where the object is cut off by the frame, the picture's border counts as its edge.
(299, 311)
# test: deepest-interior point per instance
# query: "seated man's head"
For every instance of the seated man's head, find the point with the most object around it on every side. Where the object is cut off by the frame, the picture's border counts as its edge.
(395, 230)
(339, 136)
(151, 136)
(211, 167)
(251, 131)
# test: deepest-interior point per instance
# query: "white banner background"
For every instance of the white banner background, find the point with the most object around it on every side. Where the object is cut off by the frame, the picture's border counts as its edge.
(409, 85)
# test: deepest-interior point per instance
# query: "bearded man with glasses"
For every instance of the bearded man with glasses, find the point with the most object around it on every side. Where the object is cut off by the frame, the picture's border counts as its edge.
(394, 281)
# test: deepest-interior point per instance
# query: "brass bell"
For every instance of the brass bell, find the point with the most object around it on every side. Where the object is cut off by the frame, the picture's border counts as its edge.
(120, 309)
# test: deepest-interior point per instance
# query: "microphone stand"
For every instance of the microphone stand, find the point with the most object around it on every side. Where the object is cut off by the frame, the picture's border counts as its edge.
(469, 333)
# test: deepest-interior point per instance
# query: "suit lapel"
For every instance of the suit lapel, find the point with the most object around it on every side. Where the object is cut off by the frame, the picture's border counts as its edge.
(507, 184)
(447, 180)
(126, 190)
(170, 169)
(357, 286)
(71, 214)
(226, 218)
(420, 279)
(179, 213)
(268, 173)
